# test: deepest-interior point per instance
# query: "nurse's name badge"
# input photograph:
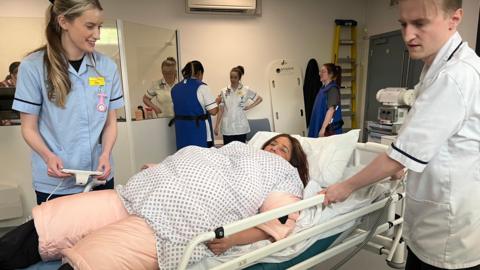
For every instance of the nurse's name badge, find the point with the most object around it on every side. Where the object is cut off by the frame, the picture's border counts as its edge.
(96, 81)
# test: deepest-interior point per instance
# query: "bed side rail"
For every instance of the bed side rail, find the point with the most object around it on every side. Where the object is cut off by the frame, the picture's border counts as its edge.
(247, 223)
(364, 153)
(253, 221)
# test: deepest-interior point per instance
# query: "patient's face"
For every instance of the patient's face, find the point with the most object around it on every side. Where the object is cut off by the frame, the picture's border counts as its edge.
(280, 146)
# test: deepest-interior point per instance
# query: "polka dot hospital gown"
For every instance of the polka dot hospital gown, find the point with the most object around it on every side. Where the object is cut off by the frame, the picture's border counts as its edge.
(199, 189)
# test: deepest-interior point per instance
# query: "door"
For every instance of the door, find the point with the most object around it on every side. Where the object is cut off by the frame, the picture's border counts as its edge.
(389, 65)
(287, 98)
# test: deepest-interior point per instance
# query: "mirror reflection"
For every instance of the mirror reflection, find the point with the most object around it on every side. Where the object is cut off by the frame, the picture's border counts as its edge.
(158, 96)
(152, 69)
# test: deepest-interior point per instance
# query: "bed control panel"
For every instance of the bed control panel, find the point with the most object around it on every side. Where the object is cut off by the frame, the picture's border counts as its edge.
(81, 177)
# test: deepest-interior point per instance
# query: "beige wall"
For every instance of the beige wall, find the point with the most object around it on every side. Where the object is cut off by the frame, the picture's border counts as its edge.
(388, 21)
(294, 30)
(15, 44)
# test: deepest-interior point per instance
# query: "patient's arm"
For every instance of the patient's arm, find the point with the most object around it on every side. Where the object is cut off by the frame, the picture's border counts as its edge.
(252, 235)
(148, 165)
(272, 230)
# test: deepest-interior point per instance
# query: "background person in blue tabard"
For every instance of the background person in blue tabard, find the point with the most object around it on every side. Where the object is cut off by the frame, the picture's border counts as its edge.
(193, 103)
(326, 116)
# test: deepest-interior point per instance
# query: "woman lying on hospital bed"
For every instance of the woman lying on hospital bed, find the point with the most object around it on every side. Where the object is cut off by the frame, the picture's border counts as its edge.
(193, 191)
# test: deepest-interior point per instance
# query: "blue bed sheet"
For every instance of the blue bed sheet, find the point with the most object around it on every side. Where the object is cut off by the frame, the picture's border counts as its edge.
(318, 247)
(53, 265)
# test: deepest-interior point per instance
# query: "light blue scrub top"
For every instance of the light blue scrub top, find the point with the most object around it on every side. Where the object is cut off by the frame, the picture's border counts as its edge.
(73, 133)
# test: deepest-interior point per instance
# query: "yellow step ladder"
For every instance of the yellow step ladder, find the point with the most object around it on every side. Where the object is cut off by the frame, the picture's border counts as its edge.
(345, 55)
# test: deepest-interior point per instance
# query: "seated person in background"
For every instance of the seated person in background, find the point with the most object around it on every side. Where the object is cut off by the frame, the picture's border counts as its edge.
(193, 191)
(161, 89)
(11, 79)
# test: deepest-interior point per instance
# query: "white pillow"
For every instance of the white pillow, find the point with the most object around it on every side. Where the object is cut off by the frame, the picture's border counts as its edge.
(327, 156)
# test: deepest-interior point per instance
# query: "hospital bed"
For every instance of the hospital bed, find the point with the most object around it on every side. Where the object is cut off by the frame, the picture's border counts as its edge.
(373, 223)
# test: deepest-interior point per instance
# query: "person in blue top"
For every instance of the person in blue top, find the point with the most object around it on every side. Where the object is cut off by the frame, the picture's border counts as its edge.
(193, 103)
(67, 94)
(326, 116)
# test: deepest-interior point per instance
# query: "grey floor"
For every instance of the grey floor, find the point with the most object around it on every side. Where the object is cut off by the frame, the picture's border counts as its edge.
(364, 260)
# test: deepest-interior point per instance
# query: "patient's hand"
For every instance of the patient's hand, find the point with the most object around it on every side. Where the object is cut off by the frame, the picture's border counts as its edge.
(219, 246)
(146, 166)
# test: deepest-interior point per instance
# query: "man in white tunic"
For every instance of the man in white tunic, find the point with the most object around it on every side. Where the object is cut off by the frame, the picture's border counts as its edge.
(439, 143)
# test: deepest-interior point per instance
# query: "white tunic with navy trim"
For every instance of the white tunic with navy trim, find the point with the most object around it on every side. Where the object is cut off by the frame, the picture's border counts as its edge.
(234, 101)
(72, 133)
(162, 92)
(440, 145)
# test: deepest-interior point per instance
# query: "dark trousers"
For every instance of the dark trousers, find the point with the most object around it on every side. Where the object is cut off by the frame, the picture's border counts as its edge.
(230, 138)
(414, 263)
(42, 197)
(19, 247)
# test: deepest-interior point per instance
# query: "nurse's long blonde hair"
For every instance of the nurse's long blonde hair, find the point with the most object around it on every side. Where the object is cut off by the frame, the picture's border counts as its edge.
(56, 64)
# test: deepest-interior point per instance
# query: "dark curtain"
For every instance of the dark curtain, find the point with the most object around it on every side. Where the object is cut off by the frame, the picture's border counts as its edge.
(311, 85)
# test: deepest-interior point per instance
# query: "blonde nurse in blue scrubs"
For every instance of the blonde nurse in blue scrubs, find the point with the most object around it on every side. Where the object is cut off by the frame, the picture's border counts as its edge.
(67, 94)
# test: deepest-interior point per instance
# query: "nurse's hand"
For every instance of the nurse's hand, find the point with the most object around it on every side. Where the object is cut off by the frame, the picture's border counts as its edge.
(156, 109)
(215, 131)
(321, 133)
(54, 167)
(218, 99)
(104, 166)
(398, 175)
(336, 193)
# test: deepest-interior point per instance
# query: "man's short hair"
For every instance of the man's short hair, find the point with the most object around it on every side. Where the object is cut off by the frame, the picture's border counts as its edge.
(451, 5)
(13, 67)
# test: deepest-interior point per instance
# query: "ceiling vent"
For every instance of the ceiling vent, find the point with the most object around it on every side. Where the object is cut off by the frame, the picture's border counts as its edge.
(248, 7)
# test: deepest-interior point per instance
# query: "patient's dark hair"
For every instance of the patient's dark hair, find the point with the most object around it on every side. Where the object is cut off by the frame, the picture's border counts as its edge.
(299, 158)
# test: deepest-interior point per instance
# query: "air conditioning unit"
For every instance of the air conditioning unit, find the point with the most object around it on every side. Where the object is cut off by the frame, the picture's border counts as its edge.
(222, 6)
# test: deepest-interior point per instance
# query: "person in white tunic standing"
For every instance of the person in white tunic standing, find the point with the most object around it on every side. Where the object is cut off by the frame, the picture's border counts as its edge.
(158, 96)
(439, 143)
(236, 99)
